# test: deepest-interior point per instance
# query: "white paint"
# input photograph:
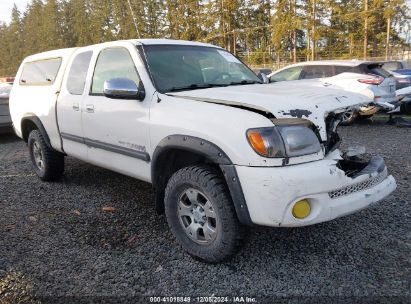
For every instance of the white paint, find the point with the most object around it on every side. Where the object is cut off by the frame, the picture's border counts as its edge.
(271, 192)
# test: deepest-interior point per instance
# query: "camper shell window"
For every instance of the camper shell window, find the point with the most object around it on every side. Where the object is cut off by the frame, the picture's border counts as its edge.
(41, 72)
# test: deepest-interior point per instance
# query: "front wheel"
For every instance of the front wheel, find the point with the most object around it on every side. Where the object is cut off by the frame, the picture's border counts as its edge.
(47, 163)
(201, 214)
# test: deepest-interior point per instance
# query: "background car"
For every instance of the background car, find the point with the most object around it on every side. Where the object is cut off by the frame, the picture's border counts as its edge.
(398, 66)
(401, 80)
(5, 120)
(365, 77)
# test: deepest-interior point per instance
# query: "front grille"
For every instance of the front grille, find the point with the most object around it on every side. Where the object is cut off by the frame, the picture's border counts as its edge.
(369, 183)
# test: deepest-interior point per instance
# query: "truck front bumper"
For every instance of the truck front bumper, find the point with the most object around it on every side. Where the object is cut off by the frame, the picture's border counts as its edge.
(271, 192)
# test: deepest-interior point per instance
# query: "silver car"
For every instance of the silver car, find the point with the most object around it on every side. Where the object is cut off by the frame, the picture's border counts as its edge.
(364, 77)
(5, 120)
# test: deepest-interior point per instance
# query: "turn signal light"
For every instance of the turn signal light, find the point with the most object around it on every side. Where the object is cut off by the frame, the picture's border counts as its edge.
(257, 142)
(301, 209)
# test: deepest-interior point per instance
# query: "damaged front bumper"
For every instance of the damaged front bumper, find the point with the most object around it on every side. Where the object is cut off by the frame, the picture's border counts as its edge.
(334, 187)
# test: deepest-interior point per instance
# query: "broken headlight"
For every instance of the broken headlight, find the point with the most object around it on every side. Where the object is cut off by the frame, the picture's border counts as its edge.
(287, 139)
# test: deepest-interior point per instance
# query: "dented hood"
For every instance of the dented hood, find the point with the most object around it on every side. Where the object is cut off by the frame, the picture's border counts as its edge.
(283, 100)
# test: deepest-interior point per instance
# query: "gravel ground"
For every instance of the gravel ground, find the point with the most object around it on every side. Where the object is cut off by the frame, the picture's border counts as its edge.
(57, 241)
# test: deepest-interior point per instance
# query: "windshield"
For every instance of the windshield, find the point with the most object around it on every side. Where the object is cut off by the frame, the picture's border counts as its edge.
(181, 67)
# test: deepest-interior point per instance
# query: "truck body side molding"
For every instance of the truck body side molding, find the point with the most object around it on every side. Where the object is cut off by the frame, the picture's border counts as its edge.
(108, 147)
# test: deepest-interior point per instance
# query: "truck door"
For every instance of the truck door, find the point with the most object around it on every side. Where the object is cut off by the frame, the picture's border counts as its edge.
(70, 103)
(117, 130)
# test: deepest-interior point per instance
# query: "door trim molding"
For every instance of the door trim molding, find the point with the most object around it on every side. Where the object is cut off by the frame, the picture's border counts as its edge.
(107, 147)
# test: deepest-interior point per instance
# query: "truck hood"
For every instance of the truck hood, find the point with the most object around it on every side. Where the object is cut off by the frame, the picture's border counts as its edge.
(283, 100)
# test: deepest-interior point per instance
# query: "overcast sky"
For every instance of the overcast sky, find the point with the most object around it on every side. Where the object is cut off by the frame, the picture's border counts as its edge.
(7, 5)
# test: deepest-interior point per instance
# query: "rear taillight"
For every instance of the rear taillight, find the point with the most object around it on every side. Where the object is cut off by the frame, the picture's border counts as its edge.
(403, 80)
(376, 81)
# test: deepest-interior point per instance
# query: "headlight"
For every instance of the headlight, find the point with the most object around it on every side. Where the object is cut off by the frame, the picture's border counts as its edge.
(287, 139)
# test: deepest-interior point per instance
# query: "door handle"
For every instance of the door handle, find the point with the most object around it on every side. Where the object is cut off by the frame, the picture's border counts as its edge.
(89, 108)
(76, 107)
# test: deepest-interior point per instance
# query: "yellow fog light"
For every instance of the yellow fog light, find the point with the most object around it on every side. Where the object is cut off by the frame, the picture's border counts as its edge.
(301, 209)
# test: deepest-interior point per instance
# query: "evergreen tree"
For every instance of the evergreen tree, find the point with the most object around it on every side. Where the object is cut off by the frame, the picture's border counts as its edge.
(52, 26)
(258, 30)
(12, 48)
(33, 36)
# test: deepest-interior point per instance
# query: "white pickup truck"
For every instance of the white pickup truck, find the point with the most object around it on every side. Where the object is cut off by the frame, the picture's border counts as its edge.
(222, 149)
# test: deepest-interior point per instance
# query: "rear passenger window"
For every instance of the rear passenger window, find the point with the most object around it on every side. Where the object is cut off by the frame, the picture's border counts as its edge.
(317, 71)
(341, 69)
(42, 72)
(287, 74)
(113, 63)
(78, 73)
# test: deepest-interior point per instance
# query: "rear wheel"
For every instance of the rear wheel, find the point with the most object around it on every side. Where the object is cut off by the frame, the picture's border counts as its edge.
(201, 214)
(47, 163)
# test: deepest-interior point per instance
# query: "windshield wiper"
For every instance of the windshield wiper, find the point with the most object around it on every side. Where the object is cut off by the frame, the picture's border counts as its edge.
(196, 86)
(244, 82)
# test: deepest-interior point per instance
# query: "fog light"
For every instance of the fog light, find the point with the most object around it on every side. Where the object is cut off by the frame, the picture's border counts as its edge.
(301, 209)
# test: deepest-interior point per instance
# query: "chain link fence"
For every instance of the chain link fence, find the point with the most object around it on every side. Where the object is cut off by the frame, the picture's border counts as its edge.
(274, 61)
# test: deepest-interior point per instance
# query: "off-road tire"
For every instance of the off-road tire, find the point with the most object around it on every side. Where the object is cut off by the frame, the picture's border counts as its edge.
(53, 161)
(229, 234)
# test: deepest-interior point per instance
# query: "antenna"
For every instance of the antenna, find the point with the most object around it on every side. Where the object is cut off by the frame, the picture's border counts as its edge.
(134, 18)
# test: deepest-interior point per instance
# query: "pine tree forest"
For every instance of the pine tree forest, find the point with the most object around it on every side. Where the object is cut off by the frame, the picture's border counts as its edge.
(261, 32)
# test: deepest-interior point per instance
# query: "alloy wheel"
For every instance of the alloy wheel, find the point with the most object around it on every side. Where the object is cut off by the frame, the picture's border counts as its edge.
(197, 216)
(38, 155)
(347, 116)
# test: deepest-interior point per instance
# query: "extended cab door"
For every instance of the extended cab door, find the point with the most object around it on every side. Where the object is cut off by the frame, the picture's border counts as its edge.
(70, 103)
(116, 131)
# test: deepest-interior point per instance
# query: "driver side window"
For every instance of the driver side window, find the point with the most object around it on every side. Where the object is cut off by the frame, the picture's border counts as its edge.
(113, 63)
(288, 74)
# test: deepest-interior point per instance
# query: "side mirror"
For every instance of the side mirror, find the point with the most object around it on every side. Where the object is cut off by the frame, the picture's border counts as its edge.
(123, 88)
(264, 78)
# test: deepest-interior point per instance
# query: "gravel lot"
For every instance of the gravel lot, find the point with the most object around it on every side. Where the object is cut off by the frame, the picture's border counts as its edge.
(57, 241)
